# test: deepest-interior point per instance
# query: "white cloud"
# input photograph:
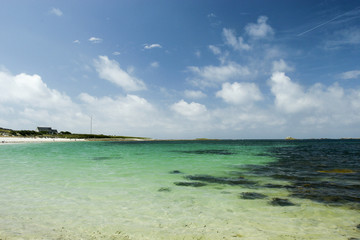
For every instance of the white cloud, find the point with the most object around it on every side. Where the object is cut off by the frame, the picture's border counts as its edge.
(290, 96)
(215, 50)
(150, 46)
(130, 111)
(213, 19)
(348, 36)
(194, 94)
(281, 66)
(212, 75)
(249, 121)
(129, 115)
(222, 56)
(116, 53)
(316, 101)
(56, 11)
(95, 40)
(110, 70)
(350, 74)
(239, 93)
(260, 29)
(76, 41)
(30, 90)
(236, 43)
(155, 64)
(30, 102)
(191, 110)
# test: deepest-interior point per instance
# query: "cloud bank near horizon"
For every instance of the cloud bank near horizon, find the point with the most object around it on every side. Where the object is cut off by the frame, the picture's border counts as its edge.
(29, 102)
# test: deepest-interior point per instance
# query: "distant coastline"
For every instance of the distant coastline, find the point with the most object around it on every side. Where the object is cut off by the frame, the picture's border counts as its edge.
(30, 136)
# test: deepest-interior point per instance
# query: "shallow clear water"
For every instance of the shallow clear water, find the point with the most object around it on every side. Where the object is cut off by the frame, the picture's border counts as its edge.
(180, 190)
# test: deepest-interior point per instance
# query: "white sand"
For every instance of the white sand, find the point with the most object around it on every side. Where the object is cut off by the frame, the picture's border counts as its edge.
(35, 140)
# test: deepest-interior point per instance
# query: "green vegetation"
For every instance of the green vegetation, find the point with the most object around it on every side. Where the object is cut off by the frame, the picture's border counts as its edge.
(96, 136)
(64, 134)
(5, 132)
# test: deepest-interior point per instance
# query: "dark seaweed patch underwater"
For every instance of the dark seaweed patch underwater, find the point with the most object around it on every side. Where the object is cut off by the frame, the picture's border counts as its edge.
(209, 151)
(326, 171)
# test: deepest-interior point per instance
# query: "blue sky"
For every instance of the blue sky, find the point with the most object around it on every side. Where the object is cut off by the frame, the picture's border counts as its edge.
(182, 69)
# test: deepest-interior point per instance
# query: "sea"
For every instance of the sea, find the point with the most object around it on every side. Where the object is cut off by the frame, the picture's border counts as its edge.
(211, 189)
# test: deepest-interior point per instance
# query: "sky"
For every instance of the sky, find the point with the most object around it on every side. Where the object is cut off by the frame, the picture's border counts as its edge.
(180, 69)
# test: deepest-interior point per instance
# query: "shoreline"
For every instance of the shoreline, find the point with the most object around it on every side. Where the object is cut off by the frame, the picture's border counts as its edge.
(10, 140)
(14, 140)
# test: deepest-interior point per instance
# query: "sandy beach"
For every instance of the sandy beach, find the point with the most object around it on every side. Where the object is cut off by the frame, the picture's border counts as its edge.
(5, 140)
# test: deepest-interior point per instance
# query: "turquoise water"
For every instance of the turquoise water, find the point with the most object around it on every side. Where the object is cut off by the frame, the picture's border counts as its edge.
(179, 190)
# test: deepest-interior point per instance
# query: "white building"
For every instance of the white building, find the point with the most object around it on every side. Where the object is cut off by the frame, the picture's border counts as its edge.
(48, 130)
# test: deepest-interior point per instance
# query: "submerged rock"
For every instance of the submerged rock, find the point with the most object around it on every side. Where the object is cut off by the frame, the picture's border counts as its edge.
(270, 185)
(221, 180)
(328, 192)
(190, 184)
(252, 195)
(337, 171)
(210, 151)
(164, 189)
(282, 202)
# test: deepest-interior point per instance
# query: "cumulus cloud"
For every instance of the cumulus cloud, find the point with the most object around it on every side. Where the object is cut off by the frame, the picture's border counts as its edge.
(212, 75)
(194, 94)
(28, 101)
(129, 111)
(191, 110)
(236, 43)
(289, 96)
(127, 115)
(239, 93)
(316, 101)
(110, 70)
(30, 90)
(251, 121)
(281, 66)
(56, 11)
(260, 29)
(150, 46)
(95, 40)
(354, 74)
